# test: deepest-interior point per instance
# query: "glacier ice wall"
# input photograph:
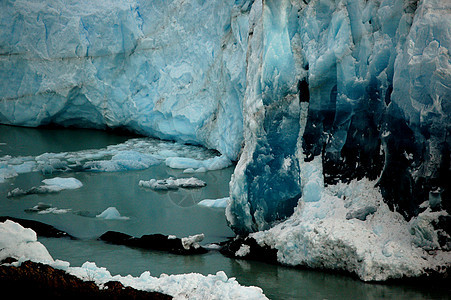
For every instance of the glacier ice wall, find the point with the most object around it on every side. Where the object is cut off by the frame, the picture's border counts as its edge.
(266, 184)
(169, 69)
(307, 94)
(373, 85)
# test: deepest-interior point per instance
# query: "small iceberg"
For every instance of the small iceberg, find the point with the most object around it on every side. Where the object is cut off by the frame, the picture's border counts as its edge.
(217, 203)
(111, 213)
(172, 183)
(53, 185)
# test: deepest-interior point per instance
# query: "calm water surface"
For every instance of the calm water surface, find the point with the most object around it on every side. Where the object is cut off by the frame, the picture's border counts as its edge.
(173, 212)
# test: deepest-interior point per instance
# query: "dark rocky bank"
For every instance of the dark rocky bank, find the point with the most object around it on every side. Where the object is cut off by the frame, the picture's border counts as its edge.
(152, 242)
(31, 279)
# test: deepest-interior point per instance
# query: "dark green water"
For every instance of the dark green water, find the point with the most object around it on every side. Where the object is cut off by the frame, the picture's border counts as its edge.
(173, 212)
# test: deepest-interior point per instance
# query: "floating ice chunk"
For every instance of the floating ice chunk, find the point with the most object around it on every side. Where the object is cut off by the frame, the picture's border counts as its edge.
(59, 184)
(195, 165)
(212, 246)
(43, 208)
(134, 154)
(220, 203)
(243, 251)
(52, 185)
(124, 161)
(111, 213)
(192, 241)
(172, 183)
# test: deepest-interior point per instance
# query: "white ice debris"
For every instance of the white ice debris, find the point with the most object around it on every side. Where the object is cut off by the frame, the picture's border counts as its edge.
(21, 243)
(134, 154)
(197, 166)
(52, 185)
(58, 184)
(243, 251)
(384, 246)
(192, 241)
(172, 183)
(219, 203)
(111, 213)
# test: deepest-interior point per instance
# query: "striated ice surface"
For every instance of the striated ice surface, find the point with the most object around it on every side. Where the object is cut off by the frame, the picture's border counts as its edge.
(368, 92)
(148, 67)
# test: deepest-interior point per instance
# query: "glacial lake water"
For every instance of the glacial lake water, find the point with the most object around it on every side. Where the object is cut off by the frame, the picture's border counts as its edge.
(173, 212)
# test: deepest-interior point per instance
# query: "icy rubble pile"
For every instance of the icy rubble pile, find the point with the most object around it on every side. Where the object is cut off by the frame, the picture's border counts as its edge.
(21, 243)
(376, 243)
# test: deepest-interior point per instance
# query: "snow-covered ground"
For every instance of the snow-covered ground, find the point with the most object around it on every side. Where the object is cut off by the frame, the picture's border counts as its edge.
(22, 244)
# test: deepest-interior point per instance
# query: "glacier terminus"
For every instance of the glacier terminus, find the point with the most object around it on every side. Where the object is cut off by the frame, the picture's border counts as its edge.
(337, 113)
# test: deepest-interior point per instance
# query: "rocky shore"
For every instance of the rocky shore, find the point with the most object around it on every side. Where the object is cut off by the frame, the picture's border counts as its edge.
(31, 279)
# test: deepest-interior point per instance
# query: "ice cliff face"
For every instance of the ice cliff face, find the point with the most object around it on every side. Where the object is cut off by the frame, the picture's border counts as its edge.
(364, 85)
(309, 95)
(171, 69)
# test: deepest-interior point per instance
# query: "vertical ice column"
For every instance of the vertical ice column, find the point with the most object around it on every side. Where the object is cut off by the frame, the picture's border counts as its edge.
(266, 184)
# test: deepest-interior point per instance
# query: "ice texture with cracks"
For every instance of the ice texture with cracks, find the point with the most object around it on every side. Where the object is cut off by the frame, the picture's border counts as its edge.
(146, 66)
(368, 129)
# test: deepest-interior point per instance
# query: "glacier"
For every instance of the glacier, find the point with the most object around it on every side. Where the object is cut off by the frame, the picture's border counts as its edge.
(336, 111)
